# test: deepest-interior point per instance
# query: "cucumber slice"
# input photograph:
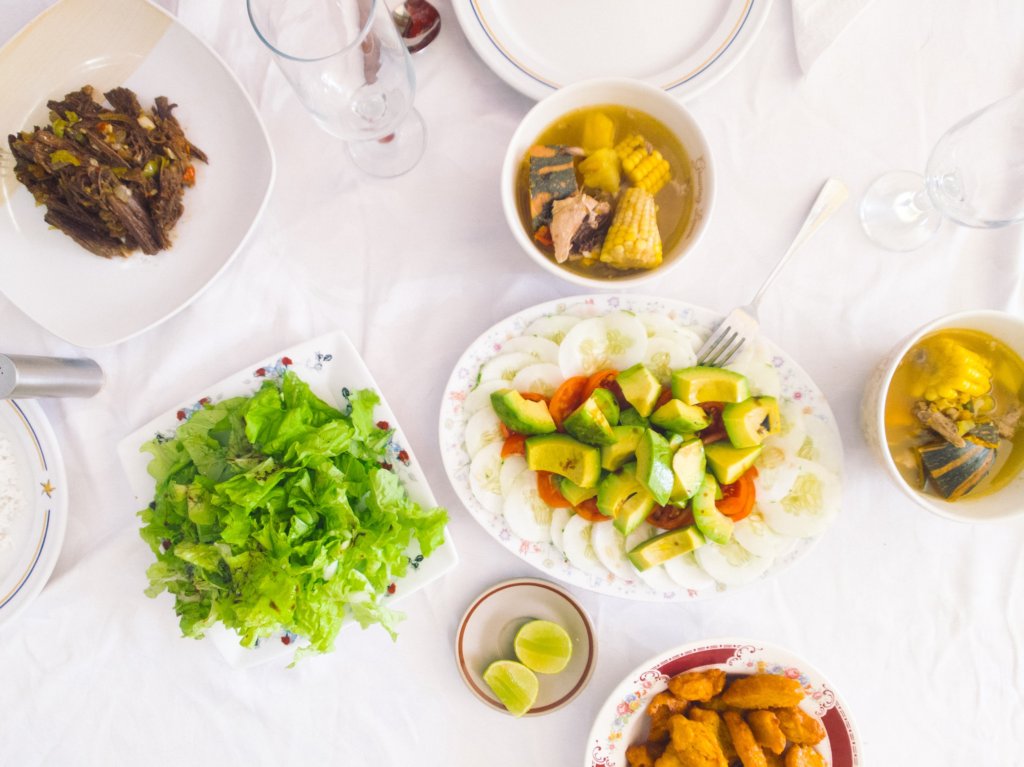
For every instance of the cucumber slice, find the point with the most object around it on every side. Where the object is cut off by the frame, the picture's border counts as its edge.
(542, 378)
(684, 572)
(480, 397)
(554, 327)
(482, 429)
(485, 477)
(559, 519)
(754, 362)
(543, 349)
(617, 340)
(660, 326)
(513, 466)
(578, 548)
(664, 355)
(525, 513)
(609, 545)
(731, 564)
(754, 534)
(505, 366)
(808, 507)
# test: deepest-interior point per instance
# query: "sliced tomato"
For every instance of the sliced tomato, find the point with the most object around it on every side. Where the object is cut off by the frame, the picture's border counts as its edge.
(533, 396)
(567, 397)
(670, 517)
(738, 498)
(588, 510)
(716, 431)
(515, 444)
(547, 486)
(600, 379)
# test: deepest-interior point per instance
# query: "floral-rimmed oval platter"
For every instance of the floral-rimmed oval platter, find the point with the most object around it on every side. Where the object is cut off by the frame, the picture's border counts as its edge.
(621, 720)
(536, 349)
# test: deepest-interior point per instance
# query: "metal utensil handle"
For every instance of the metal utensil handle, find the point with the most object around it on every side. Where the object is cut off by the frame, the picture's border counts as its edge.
(831, 197)
(25, 377)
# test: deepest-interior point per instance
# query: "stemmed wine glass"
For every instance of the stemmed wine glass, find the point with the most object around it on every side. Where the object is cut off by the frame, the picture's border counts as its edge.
(351, 70)
(974, 176)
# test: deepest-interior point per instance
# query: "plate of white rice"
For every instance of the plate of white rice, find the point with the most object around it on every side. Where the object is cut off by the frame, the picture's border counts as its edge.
(33, 504)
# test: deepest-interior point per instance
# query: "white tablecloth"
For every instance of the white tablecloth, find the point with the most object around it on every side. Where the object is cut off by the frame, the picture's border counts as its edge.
(918, 621)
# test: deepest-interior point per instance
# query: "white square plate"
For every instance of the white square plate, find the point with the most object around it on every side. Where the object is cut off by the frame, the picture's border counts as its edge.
(332, 367)
(83, 298)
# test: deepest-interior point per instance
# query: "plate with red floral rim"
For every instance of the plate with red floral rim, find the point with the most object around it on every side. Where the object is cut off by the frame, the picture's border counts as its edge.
(621, 721)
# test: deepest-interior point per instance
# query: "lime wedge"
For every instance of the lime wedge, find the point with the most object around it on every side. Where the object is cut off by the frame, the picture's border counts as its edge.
(543, 646)
(514, 684)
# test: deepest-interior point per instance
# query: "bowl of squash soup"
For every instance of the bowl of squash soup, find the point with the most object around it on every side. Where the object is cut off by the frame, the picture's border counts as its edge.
(608, 183)
(944, 413)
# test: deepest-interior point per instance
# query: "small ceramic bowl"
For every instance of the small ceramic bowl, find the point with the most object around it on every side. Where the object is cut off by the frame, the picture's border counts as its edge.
(1006, 502)
(487, 633)
(627, 93)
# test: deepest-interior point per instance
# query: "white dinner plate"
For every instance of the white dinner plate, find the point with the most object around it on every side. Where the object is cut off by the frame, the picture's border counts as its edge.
(35, 531)
(621, 721)
(681, 45)
(488, 629)
(795, 386)
(332, 368)
(83, 298)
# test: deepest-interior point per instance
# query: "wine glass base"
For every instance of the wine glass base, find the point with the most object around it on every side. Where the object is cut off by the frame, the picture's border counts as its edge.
(395, 154)
(897, 214)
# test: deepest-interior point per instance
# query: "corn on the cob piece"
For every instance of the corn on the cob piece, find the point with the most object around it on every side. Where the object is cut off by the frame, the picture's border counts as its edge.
(950, 374)
(645, 168)
(633, 240)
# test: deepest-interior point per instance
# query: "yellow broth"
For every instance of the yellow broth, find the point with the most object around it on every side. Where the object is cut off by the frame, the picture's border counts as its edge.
(903, 431)
(674, 201)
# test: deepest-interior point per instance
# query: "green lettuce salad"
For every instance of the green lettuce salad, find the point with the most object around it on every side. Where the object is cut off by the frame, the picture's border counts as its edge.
(275, 512)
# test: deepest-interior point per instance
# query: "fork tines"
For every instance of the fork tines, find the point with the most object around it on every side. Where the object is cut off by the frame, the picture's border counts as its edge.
(721, 347)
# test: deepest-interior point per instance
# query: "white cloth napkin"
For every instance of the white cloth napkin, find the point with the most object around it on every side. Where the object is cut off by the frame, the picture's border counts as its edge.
(817, 23)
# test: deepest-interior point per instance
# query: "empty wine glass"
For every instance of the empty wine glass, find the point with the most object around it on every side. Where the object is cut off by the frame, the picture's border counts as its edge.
(974, 176)
(350, 69)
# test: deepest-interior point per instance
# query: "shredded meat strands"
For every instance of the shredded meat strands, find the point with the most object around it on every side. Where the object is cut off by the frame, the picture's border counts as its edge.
(111, 178)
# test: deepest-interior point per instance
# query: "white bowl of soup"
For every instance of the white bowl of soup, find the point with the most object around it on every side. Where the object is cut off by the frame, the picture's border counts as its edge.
(608, 183)
(944, 413)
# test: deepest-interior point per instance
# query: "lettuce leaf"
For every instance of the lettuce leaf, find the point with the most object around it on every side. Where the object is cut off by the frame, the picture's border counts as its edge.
(274, 512)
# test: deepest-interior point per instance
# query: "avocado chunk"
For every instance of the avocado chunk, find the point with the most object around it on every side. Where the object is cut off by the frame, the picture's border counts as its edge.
(562, 455)
(520, 414)
(747, 423)
(654, 466)
(588, 423)
(640, 388)
(633, 511)
(573, 493)
(661, 548)
(622, 450)
(630, 417)
(706, 384)
(616, 488)
(688, 467)
(608, 404)
(709, 520)
(729, 463)
(774, 417)
(675, 415)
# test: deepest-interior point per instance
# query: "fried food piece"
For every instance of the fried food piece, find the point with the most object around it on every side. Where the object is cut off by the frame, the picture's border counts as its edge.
(640, 755)
(799, 726)
(743, 740)
(666, 701)
(765, 726)
(774, 760)
(804, 756)
(763, 691)
(714, 721)
(659, 726)
(694, 744)
(699, 685)
(668, 759)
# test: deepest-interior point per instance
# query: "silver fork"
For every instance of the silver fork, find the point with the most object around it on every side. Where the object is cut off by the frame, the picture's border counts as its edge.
(740, 324)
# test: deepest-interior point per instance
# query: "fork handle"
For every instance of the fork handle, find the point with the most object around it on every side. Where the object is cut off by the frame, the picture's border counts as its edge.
(831, 197)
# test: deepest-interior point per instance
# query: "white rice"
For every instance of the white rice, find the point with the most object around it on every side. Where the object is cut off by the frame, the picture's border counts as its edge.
(11, 497)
